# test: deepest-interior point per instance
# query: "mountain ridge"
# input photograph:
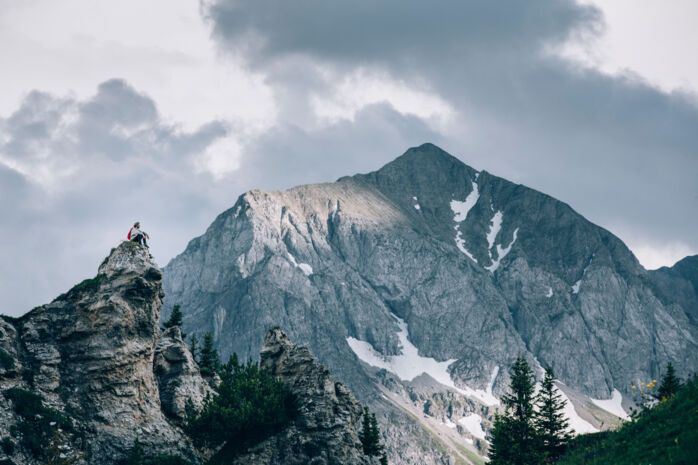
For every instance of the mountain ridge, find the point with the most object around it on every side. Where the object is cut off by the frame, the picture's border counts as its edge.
(477, 269)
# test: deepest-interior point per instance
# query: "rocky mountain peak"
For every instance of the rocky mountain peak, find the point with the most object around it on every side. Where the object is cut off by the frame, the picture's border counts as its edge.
(90, 355)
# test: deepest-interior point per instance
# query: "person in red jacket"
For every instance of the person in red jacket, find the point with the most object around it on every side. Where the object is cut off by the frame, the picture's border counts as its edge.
(136, 235)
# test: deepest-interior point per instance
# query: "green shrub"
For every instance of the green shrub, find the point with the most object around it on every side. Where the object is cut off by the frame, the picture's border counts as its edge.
(37, 423)
(250, 405)
(88, 285)
(7, 446)
(664, 434)
(6, 360)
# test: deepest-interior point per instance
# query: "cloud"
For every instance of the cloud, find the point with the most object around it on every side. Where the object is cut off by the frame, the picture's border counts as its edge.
(614, 147)
(75, 174)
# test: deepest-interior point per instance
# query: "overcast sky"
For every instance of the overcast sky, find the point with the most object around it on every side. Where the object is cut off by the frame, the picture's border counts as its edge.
(164, 111)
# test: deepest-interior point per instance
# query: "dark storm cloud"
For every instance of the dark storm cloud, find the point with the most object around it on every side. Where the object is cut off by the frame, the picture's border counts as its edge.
(289, 155)
(618, 150)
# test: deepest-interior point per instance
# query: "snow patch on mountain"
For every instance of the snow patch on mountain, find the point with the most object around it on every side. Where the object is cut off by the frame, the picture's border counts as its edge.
(304, 267)
(577, 423)
(550, 292)
(613, 405)
(495, 226)
(501, 253)
(460, 243)
(575, 287)
(473, 423)
(409, 364)
(461, 209)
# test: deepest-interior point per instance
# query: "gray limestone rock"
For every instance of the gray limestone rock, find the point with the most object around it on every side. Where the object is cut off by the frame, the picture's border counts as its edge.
(179, 380)
(326, 429)
(480, 269)
(90, 354)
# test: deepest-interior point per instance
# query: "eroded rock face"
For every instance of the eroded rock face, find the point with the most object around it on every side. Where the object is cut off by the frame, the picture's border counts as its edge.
(480, 269)
(90, 354)
(325, 431)
(180, 383)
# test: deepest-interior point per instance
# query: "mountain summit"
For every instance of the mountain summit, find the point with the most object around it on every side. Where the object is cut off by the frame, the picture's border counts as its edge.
(427, 278)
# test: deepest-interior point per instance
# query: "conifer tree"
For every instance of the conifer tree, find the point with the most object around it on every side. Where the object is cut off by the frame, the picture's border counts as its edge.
(550, 420)
(175, 319)
(135, 455)
(515, 440)
(370, 435)
(209, 361)
(670, 383)
(194, 346)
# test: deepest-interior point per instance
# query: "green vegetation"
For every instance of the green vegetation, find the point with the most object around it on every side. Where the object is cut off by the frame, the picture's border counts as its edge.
(670, 384)
(38, 424)
(370, 437)
(175, 319)
(550, 420)
(194, 346)
(137, 456)
(7, 446)
(88, 285)
(515, 440)
(666, 434)
(209, 362)
(6, 360)
(250, 406)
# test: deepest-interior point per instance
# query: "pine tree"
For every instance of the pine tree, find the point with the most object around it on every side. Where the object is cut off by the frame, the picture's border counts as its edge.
(550, 420)
(135, 455)
(209, 361)
(670, 383)
(175, 319)
(194, 346)
(370, 435)
(515, 440)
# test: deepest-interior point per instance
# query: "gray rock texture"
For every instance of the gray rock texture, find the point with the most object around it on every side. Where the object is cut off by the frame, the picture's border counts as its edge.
(179, 380)
(326, 429)
(479, 268)
(90, 354)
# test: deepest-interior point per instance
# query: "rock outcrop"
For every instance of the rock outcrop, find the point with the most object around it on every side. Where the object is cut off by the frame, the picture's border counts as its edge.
(467, 268)
(325, 431)
(96, 357)
(90, 355)
(179, 380)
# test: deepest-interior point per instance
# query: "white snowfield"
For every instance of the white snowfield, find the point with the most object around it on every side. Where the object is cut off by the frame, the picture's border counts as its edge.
(501, 253)
(409, 364)
(575, 287)
(473, 423)
(460, 213)
(495, 226)
(613, 405)
(550, 292)
(577, 423)
(461, 209)
(304, 267)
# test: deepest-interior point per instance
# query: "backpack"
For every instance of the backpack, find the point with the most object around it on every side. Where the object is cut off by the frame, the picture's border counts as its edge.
(129, 234)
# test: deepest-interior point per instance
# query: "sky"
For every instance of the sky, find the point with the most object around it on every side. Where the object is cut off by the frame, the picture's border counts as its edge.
(166, 111)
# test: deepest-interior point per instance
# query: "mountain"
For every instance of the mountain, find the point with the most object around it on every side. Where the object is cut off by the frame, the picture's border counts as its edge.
(418, 284)
(91, 373)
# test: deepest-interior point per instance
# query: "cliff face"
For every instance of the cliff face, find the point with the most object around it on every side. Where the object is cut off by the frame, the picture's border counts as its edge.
(426, 276)
(90, 353)
(96, 356)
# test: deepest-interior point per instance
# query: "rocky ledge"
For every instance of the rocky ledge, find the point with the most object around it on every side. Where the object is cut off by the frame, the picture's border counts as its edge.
(91, 355)
(325, 431)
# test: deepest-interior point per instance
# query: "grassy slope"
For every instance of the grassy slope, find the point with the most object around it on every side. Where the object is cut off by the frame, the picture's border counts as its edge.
(665, 435)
